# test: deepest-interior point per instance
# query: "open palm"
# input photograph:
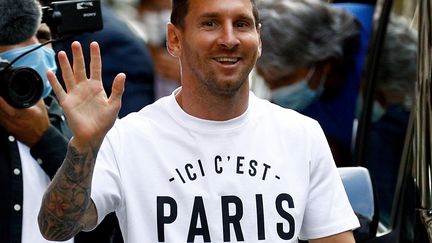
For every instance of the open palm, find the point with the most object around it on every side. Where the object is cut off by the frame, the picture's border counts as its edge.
(89, 111)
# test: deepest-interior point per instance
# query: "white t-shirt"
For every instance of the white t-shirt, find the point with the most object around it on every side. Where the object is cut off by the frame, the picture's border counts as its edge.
(35, 182)
(266, 176)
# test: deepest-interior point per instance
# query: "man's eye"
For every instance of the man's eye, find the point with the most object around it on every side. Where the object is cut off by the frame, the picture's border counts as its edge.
(242, 24)
(208, 23)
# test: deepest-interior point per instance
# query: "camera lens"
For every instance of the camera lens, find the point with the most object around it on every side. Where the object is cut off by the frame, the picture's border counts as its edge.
(21, 87)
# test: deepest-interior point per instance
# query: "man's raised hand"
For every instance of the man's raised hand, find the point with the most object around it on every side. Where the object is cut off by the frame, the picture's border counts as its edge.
(89, 111)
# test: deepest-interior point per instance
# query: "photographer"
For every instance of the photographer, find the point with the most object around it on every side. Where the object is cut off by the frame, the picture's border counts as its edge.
(32, 140)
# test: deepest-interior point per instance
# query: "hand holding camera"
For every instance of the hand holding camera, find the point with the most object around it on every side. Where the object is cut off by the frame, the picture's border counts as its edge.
(26, 125)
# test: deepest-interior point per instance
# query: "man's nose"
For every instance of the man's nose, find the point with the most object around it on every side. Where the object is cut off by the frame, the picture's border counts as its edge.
(228, 37)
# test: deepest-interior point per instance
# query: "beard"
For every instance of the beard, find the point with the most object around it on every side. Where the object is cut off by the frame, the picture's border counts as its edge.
(216, 81)
(225, 86)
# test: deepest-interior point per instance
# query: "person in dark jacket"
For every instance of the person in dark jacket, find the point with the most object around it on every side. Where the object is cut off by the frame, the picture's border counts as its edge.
(394, 97)
(33, 141)
(308, 65)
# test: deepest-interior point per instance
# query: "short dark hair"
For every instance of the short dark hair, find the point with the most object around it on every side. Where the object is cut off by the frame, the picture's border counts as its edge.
(180, 9)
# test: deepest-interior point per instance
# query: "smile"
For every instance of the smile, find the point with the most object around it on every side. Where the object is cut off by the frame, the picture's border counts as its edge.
(227, 60)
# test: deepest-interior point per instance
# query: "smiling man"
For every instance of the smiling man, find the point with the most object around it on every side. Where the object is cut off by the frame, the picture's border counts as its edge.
(209, 163)
(217, 44)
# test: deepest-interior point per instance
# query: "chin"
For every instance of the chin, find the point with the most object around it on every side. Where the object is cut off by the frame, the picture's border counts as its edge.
(229, 88)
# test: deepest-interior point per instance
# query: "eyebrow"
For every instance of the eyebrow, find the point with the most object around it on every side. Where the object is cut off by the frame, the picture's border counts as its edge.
(209, 15)
(216, 15)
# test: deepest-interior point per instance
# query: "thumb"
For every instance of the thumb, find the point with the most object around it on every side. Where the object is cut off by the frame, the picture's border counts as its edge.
(117, 89)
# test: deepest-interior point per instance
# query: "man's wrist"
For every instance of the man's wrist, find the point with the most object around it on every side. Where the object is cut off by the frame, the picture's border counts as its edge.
(85, 145)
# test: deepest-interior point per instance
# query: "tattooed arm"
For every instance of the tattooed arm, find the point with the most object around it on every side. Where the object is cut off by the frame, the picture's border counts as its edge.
(67, 207)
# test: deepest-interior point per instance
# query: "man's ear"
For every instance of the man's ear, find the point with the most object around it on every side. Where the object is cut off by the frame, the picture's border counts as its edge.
(173, 40)
(259, 39)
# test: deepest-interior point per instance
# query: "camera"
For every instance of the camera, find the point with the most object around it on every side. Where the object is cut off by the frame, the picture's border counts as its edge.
(72, 17)
(21, 87)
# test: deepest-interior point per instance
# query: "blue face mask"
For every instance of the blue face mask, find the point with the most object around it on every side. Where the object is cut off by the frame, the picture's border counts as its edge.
(299, 95)
(41, 60)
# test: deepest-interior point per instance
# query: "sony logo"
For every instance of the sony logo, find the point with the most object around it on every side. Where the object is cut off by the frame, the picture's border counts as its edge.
(86, 15)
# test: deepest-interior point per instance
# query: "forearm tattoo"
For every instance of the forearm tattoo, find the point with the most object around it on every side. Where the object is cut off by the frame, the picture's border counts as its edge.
(68, 196)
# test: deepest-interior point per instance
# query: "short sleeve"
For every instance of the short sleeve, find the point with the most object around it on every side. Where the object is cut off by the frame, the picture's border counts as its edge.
(106, 185)
(328, 210)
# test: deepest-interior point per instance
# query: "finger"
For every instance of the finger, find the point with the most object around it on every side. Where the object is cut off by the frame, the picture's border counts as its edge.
(95, 62)
(58, 89)
(117, 89)
(66, 69)
(78, 62)
(6, 109)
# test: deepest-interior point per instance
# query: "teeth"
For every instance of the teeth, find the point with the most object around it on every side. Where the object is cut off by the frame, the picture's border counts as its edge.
(226, 59)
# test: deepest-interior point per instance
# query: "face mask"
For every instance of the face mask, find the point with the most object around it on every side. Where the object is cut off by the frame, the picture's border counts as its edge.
(299, 95)
(41, 60)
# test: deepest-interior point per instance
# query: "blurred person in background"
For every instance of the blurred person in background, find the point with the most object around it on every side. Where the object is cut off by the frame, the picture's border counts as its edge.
(394, 94)
(152, 19)
(33, 140)
(308, 48)
(123, 51)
